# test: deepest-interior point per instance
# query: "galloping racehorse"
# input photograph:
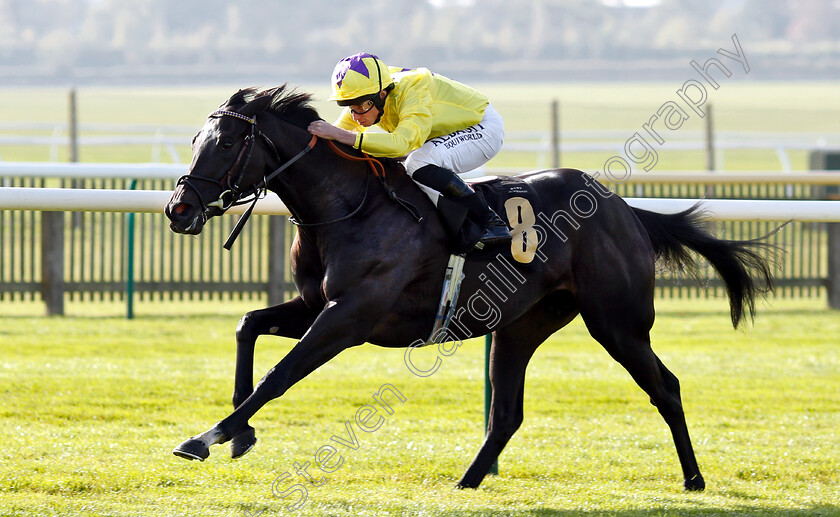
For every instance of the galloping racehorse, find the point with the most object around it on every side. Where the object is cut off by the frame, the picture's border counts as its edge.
(367, 270)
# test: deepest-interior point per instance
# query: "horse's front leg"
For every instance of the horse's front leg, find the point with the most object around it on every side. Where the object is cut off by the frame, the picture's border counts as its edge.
(341, 325)
(291, 319)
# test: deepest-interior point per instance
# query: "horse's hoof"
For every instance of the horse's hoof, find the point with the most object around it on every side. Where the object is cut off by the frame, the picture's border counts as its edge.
(192, 449)
(695, 484)
(464, 483)
(242, 443)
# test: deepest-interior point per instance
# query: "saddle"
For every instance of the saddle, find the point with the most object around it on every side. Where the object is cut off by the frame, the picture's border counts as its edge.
(514, 201)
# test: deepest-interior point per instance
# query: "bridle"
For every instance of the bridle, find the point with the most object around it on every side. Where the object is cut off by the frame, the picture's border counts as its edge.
(231, 192)
(233, 195)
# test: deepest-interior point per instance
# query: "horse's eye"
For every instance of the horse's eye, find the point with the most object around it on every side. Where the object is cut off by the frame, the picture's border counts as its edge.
(227, 145)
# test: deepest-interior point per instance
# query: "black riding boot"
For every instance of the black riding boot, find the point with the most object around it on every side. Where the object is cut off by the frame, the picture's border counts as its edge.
(461, 203)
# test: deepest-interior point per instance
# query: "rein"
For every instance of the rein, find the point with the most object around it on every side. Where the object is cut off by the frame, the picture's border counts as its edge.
(373, 165)
(358, 209)
(379, 171)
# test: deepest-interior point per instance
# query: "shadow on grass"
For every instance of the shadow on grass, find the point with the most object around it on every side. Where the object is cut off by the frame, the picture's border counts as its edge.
(815, 511)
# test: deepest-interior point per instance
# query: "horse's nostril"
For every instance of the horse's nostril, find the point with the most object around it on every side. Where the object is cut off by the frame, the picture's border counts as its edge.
(179, 210)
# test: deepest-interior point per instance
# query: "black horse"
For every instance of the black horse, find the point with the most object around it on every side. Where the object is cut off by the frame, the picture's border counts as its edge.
(367, 271)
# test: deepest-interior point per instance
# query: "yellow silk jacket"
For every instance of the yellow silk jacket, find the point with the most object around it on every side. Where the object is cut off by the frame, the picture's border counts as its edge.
(421, 106)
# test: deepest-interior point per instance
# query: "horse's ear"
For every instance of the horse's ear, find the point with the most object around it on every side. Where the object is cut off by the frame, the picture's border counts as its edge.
(255, 106)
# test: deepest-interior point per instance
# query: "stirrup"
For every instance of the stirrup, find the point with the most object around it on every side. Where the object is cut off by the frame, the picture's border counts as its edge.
(448, 298)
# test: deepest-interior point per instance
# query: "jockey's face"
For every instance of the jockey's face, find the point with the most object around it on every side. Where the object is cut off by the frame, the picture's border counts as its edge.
(365, 113)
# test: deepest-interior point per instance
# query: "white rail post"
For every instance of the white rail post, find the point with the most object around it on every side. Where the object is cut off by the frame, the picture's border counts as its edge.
(710, 142)
(73, 126)
(555, 134)
(710, 149)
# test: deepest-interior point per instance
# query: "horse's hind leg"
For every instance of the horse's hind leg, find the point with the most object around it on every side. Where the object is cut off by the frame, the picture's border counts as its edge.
(290, 319)
(693, 480)
(625, 335)
(511, 350)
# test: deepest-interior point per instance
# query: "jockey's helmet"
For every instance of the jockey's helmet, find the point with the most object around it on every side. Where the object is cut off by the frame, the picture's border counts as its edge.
(359, 77)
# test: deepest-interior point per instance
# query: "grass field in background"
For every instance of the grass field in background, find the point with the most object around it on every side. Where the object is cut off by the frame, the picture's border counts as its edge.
(739, 105)
(93, 404)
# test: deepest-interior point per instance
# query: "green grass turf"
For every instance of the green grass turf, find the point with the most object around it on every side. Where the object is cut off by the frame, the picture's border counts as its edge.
(93, 403)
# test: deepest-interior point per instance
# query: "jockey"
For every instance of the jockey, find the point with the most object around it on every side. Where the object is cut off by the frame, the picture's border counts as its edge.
(442, 127)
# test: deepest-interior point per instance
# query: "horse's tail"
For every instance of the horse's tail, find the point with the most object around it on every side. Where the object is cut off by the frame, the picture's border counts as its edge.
(744, 270)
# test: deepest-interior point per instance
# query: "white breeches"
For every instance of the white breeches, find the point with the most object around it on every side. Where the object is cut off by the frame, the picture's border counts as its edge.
(461, 151)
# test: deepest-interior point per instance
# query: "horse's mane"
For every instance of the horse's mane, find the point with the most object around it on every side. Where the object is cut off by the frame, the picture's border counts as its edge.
(295, 107)
(290, 103)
